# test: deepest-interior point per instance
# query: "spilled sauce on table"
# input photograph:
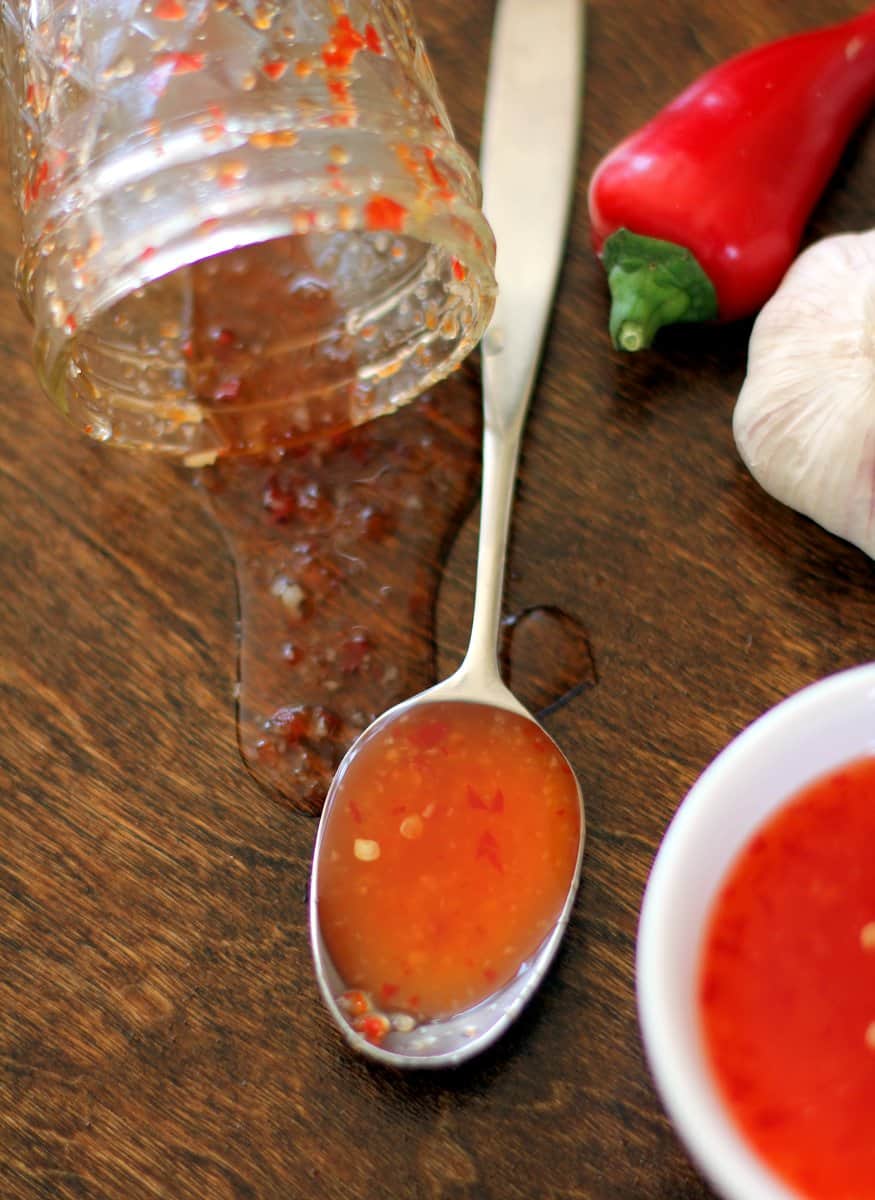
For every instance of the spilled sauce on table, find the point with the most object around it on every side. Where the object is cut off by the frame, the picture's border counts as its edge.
(339, 547)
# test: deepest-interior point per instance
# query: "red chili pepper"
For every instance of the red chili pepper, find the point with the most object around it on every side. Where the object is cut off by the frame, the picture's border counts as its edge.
(699, 213)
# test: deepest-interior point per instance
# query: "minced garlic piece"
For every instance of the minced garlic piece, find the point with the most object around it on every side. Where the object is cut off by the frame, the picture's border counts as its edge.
(411, 827)
(366, 850)
(201, 458)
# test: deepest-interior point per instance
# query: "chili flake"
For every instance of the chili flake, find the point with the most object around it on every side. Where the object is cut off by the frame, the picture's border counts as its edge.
(343, 45)
(382, 212)
(182, 63)
(355, 1003)
(170, 10)
(372, 39)
(373, 1027)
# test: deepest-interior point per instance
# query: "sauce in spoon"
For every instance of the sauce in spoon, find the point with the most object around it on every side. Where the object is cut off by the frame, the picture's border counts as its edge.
(446, 859)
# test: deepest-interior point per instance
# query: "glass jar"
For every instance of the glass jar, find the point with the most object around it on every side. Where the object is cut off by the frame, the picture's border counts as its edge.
(244, 222)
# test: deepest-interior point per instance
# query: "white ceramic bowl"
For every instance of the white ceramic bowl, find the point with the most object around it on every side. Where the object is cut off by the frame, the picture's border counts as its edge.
(821, 727)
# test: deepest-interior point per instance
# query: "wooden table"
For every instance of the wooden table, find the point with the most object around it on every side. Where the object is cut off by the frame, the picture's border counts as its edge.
(160, 1033)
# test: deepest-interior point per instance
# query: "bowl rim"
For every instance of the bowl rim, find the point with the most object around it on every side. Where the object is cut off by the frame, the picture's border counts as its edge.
(667, 1020)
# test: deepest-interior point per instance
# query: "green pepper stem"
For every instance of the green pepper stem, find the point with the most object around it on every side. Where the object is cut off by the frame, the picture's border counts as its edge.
(653, 283)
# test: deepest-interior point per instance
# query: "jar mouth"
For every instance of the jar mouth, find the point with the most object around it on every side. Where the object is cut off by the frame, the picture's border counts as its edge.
(291, 310)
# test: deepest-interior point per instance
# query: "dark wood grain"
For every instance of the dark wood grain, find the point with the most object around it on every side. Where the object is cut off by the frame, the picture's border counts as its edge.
(160, 1034)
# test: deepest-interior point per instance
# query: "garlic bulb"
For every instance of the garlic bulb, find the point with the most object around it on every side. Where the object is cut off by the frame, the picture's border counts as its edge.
(804, 422)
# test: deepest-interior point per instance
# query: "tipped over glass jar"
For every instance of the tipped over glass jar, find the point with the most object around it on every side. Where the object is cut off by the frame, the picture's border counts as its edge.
(244, 222)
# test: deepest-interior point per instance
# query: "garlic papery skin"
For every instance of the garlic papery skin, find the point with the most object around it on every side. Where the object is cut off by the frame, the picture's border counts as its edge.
(804, 421)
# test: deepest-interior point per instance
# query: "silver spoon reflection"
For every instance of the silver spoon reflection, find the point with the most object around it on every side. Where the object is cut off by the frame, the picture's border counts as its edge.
(528, 165)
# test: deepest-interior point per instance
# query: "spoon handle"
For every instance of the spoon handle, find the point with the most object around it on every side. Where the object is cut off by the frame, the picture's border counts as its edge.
(528, 163)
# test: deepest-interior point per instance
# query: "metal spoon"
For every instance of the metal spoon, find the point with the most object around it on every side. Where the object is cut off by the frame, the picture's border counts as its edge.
(528, 164)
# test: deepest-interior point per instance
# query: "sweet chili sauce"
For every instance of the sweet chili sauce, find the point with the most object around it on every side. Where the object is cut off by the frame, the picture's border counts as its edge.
(338, 536)
(787, 988)
(338, 547)
(446, 857)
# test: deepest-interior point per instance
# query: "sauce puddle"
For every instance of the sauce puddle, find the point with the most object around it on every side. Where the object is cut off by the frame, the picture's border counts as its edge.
(338, 547)
(546, 657)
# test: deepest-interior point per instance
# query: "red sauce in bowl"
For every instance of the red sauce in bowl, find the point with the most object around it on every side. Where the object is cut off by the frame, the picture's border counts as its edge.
(446, 857)
(787, 988)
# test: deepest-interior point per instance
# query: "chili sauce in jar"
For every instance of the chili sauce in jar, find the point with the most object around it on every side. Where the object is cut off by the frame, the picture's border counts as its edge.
(240, 225)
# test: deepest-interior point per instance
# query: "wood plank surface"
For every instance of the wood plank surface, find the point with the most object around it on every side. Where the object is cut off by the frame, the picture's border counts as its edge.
(160, 1030)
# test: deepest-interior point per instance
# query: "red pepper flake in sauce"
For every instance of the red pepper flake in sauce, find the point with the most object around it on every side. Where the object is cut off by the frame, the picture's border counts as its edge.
(355, 1003)
(292, 723)
(446, 857)
(214, 128)
(343, 45)
(279, 503)
(170, 10)
(382, 212)
(373, 1027)
(427, 734)
(181, 63)
(373, 40)
(275, 68)
(459, 271)
(440, 181)
(353, 652)
(227, 389)
(231, 173)
(787, 988)
(339, 90)
(35, 184)
(267, 752)
(493, 804)
(488, 849)
(224, 337)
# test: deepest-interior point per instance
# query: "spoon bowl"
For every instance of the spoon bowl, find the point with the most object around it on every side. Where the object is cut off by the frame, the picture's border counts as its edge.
(535, 82)
(449, 1041)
